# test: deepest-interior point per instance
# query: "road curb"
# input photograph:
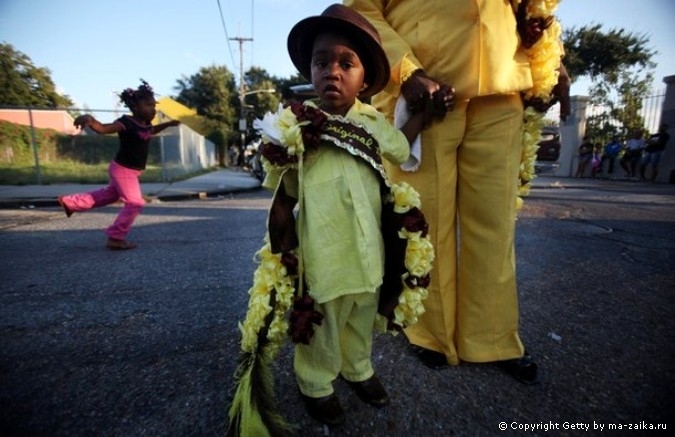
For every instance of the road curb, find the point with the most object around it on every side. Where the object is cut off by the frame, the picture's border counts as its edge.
(39, 202)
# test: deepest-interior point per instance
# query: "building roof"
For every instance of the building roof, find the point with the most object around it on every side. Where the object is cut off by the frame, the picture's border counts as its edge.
(168, 107)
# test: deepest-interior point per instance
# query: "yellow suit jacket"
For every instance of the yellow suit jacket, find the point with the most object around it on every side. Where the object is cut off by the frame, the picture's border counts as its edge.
(472, 45)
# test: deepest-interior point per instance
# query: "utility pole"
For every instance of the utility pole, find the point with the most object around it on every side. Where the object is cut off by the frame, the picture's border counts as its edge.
(242, 112)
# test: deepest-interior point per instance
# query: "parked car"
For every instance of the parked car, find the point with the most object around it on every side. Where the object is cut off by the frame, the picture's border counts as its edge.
(252, 159)
(549, 150)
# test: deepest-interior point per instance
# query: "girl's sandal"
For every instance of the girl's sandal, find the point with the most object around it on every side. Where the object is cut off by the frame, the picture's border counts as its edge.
(114, 244)
(65, 208)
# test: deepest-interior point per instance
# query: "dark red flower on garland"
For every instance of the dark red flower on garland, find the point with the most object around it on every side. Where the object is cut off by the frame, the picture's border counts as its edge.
(414, 221)
(303, 317)
(290, 261)
(311, 133)
(530, 29)
(277, 155)
(416, 281)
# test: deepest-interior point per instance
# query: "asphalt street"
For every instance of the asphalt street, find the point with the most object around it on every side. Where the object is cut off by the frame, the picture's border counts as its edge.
(144, 342)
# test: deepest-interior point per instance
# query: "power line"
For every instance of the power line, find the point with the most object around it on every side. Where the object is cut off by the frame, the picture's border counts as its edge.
(227, 37)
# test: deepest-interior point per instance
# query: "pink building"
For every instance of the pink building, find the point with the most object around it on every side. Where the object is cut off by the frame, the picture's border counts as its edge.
(57, 119)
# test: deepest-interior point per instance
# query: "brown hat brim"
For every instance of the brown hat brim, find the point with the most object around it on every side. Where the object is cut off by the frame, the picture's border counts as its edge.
(344, 21)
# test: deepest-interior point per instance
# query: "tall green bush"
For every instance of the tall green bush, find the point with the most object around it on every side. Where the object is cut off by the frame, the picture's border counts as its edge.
(52, 146)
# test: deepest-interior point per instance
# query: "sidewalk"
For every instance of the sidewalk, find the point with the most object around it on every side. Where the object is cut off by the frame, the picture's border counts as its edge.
(210, 184)
(234, 180)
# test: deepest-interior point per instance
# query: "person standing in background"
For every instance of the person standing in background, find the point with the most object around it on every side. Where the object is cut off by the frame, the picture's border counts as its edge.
(585, 155)
(596, 161)
(633, 153)
(469, 159)
(656, 144)
(610, 154)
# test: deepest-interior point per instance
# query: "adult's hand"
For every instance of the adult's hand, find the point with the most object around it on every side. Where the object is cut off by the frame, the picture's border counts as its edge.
(559, 94)
(423, 93)
(562, 92)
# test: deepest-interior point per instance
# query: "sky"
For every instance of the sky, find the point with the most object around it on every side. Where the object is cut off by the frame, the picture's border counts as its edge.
(96, 48)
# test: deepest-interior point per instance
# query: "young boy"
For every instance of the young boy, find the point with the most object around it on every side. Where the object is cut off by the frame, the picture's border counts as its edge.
(338, 189)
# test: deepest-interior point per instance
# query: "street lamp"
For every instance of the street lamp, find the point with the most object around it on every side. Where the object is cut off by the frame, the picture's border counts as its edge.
(242, 105)
(242, 110)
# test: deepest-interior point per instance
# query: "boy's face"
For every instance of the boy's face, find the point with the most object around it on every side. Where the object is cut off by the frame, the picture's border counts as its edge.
(337, 73)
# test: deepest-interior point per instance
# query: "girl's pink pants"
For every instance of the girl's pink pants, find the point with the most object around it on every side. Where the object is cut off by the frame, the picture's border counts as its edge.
(125, 186)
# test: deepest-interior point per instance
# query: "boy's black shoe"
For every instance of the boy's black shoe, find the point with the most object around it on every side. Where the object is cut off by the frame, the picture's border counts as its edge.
(370, 391)
(326, 409)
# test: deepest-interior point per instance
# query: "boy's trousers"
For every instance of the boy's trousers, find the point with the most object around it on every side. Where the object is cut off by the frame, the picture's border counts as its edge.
(341, 345)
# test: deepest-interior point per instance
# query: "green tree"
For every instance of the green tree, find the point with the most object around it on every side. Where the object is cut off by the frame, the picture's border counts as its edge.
(24, 84)
(212, 92)
(256, 104)
(620, 67)
(215, 95)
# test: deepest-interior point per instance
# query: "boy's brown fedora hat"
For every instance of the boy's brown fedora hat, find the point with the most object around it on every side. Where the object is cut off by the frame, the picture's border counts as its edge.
(345, 21)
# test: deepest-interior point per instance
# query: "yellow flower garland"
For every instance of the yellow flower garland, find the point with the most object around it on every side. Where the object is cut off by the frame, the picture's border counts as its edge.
(419, 259)
(544, 58)
(269, 276)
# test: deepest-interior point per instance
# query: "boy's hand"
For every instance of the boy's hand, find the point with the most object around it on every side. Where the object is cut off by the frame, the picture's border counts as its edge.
(173, 123)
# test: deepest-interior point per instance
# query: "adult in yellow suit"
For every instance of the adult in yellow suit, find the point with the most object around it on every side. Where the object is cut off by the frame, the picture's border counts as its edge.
(469, 168)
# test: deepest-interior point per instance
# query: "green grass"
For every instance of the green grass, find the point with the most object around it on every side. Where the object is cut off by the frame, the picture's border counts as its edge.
(81, 159)
(67, 172)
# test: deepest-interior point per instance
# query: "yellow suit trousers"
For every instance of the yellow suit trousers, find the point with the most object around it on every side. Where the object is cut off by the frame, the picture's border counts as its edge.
(468, 185)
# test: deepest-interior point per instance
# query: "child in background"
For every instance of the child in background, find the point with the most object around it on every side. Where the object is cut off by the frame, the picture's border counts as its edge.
(585, 156)
(135, 132)
(596, 162)
(338, 189)
(611, 152)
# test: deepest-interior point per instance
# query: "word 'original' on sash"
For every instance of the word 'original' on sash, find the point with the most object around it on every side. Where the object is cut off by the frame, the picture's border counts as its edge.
(354, 139)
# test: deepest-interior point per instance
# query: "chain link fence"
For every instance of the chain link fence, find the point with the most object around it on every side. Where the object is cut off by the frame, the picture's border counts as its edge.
(37, 136)
(650, 111)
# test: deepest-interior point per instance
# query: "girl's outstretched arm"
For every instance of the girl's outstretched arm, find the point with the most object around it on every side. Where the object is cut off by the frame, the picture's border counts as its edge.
(89, 121)
(160, 127)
